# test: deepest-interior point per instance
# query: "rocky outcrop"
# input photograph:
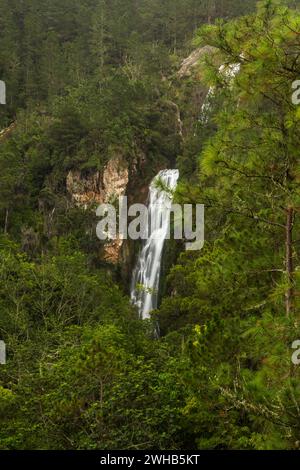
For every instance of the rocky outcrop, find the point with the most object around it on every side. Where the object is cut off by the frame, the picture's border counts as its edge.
(87, 188)
(99, 187)
(193, 60)
(5, 133)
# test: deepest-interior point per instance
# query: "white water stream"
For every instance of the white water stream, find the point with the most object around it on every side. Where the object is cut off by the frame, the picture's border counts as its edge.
(146, 275)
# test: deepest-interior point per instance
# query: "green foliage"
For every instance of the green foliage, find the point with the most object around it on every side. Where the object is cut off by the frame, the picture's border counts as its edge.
(233, 292)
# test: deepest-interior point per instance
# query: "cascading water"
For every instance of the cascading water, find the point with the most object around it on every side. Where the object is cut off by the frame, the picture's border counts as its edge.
(146, 275)
(228, 72)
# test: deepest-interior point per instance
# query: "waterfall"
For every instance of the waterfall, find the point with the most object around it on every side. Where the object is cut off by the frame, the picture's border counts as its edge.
(229, 72)
(146, 275)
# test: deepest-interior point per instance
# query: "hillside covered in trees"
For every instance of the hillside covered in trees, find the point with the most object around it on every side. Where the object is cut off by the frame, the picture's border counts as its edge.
(96, 90)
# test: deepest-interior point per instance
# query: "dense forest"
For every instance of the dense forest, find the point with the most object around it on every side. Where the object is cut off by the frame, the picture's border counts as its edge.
(87, 80)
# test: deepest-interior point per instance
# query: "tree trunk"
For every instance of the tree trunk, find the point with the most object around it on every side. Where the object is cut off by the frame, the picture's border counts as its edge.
(6, 221)
(289, 259)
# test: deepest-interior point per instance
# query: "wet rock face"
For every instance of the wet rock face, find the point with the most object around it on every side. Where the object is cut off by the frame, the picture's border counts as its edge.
(100, 187)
